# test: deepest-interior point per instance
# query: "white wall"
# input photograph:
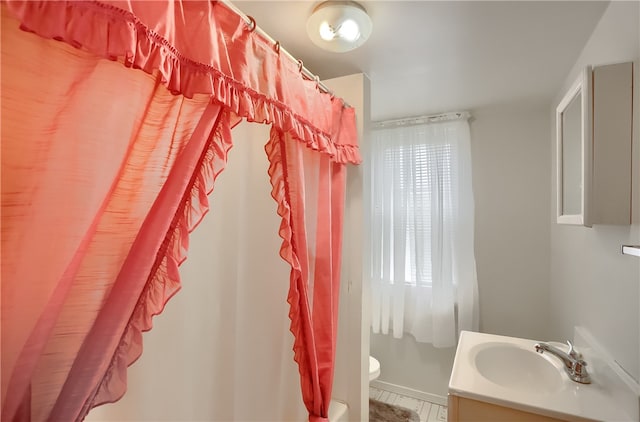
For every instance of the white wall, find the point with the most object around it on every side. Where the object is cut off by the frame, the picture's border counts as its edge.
(407, 363)
(222, 349)
(592, 284)
(351, 378)
(511, 176)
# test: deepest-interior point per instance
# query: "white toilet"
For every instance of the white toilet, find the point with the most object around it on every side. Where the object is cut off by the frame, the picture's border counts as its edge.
(374, 368)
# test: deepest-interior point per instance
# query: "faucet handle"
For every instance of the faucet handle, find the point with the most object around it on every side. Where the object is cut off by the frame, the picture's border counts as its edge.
(573, 352)
(579, 372)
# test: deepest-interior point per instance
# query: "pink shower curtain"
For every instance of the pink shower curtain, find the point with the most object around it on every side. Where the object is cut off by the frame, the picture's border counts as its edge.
(314, 286)
(105, 171)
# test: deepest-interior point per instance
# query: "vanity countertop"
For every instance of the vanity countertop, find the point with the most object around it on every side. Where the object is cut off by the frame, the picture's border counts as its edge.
(534, 387)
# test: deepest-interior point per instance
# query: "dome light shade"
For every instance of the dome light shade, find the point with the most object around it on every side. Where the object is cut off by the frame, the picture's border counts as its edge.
(339, 26)
(349, 30)
(327, 33)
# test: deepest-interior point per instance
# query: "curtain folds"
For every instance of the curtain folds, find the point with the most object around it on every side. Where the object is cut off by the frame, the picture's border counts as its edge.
(423, 266)
(310, 191)
(106, 170)
(233, 65)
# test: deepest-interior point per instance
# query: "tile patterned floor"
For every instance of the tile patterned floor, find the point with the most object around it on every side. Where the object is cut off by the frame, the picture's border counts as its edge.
(429, 412)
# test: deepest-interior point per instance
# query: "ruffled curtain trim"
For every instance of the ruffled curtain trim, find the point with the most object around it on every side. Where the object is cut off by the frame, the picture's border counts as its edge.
(164, 279)
(279, 193)
(117, 34)
(305, 339)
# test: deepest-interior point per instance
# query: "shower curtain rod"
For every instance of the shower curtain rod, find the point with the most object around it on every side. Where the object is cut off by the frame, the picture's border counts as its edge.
(254, 25)
(434, 118)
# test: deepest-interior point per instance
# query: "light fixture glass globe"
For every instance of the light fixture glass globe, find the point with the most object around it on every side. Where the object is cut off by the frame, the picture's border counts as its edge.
(349, 30)
(339, 25)
(326, 31)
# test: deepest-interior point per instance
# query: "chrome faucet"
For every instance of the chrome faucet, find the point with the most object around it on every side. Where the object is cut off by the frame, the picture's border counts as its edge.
(573, 363)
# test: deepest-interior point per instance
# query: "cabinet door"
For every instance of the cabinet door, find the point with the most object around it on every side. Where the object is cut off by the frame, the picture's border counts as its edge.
(468, 410)
(612, 139)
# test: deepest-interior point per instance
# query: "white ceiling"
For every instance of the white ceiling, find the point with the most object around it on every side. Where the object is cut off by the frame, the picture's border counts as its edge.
(428, 57)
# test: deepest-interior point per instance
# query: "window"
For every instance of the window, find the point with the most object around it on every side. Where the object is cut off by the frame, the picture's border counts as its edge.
(405, 206)
(421, 229)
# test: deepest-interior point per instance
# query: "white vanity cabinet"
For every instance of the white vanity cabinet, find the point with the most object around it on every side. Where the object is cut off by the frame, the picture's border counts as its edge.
(594, 126)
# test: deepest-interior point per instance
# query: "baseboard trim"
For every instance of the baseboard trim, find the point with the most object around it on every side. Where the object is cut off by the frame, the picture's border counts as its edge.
(409, 392)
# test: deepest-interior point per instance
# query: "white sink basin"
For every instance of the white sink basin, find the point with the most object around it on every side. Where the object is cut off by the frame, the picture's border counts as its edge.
(511, 366)
(507, 371)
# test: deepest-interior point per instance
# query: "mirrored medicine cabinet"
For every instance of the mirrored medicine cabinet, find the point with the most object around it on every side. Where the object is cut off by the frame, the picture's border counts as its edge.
(573, 143)
(593, 141)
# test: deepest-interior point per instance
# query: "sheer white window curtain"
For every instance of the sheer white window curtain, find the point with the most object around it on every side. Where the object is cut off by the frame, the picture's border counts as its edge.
(423, 271)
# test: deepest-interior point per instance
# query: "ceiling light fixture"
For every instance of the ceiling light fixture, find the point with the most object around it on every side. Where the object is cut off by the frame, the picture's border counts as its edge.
(339, 26)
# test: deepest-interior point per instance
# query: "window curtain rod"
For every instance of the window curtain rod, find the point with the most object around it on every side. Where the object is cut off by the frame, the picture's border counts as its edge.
(418, 120)
(276, 45)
